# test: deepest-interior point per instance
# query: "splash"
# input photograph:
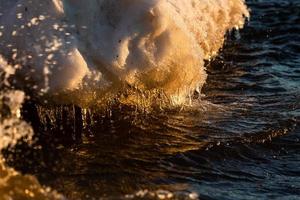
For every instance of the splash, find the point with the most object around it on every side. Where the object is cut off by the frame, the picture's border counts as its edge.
(73, 49)
(13, 129)
(85, 53)
(14, 185)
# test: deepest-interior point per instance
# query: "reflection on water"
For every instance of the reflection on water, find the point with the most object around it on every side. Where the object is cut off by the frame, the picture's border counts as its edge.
(239, 141)
(117, 154)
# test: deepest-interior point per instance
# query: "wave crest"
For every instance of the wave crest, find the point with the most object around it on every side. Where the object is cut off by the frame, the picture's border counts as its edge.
(70, 49)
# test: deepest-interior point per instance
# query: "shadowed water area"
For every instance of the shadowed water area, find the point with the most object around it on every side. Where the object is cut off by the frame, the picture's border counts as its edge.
(241, 140)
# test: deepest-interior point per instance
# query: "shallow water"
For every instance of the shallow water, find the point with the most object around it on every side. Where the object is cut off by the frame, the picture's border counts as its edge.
(240, 141)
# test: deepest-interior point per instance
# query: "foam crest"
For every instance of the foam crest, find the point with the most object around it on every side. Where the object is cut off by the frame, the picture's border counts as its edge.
(73, 48)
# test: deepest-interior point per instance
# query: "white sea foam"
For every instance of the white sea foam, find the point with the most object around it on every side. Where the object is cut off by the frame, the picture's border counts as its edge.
(75, 51)
(80, 51)
(14, 185)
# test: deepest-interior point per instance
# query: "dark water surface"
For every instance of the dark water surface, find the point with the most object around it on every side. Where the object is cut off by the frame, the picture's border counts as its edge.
(241, 142)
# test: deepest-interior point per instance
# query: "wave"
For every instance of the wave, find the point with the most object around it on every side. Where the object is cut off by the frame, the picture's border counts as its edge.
(74, 52)
(67, 50)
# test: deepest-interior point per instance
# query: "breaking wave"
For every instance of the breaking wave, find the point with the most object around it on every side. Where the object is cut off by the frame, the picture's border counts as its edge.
(68, 49)
(74, 52)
